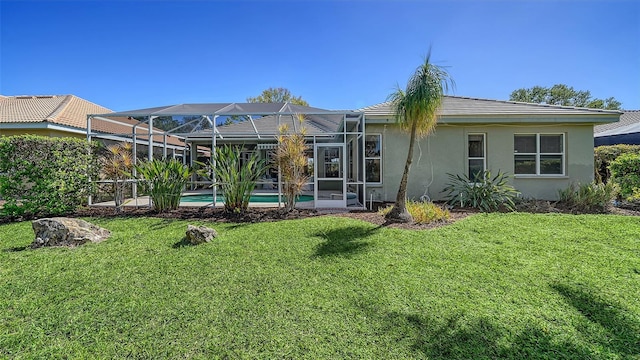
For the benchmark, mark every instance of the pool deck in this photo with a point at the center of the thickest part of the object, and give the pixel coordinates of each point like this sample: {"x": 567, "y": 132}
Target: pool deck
{"x": 145, "y": 202}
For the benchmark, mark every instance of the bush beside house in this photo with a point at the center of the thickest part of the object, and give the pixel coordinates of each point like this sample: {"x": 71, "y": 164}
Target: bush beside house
{"x": 604, "y": 155}
{"x": 45, "y": 176}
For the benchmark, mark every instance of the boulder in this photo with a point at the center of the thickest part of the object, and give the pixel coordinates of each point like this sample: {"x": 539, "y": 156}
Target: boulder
{"x": 199, "y": 234}
{"x": 60, "y": 231}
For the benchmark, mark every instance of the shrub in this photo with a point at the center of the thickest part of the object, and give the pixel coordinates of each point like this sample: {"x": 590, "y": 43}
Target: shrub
{"x": 236, "y": 179}
{"x": 422, "y": 212}
{"x": 485, "y": 192}
{"x": 625, "y": 171}
{"x": 44, "y": 176}
{"x": 604, "y": 155}
{"x": 592, "y": 197}
{"x": 166, "y": 180}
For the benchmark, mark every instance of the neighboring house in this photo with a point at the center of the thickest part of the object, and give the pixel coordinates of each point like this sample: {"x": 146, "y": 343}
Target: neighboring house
{"x": 626, "y": 131}
{"x": 66, "y": 115}
{"x": 46, "y": 115}
{"x": 360, "y": 155}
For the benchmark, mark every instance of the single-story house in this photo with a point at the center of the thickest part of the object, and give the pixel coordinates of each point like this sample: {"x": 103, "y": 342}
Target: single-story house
{"x": 544, "y": 147}
{"x": 357, "y": 156}
{"x": 66, "y": 116}
{"x": 46, "y": 115}
{"x": 626, "y": 131}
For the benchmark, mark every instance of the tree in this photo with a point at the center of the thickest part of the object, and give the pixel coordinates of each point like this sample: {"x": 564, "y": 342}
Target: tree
{"x": 561, "y": 94}
{"x": 292, "y": 162}
{"x": 117, "y": 165}
{"x": 277, "y": 95}
{"x": 416, "y": 111}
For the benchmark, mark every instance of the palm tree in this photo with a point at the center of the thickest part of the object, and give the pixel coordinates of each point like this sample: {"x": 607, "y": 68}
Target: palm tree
{"x": 416, "y": 110}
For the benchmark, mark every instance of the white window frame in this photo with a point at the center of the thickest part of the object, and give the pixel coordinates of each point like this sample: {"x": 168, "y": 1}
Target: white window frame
{"x": 537, "y": 155}
{"x": 484, "y": 153}
{"x": 373, "y": 158}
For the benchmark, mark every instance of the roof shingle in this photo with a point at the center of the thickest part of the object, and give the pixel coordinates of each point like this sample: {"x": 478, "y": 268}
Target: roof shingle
{"x": 627, "y": 119}
{"x": 467, "y": 106}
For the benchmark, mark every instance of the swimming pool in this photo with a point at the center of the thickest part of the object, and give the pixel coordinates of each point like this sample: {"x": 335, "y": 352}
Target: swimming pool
{"x": 255, "y": 198}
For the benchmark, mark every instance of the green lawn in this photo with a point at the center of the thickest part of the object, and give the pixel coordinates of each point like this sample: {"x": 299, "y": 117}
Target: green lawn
{"x": 490, "y": 286}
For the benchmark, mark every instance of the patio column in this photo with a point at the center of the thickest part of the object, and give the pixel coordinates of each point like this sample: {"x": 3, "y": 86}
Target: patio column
{"x": 164, "y": 146}
{"x": 150, "y": 152}
{"x": 134, "y": 159}
{"x": 213, "y": 158}
{"x": 279, "y": 170}
{"x": 89, "y": 200}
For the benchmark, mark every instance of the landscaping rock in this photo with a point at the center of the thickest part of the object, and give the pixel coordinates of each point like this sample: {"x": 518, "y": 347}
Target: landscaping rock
{"x": 62, "y": 231}
{"x": 200, "y": 234}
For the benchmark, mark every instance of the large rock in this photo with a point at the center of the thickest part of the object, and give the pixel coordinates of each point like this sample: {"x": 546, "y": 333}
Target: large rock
{"x": 62, "y": 231}
{"x": 200, "y": 234}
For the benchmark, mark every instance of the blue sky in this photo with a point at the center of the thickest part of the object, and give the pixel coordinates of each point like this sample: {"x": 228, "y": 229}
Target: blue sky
{"x": 335, "y": 54}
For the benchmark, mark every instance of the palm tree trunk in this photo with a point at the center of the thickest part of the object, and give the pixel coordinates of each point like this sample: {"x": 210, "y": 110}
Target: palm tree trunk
{"x": 399, "y": 211}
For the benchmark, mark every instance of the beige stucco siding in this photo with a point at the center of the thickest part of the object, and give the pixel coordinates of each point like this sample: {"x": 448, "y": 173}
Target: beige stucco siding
{"x": 40, "y": 132}
{"x": 445, "y": 152}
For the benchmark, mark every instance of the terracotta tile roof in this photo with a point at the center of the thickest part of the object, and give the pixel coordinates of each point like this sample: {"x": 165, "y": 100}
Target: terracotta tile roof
{"x": 124, "y": 126}
{"x": 68, "y": 110}
{"x": 72, "y": 111}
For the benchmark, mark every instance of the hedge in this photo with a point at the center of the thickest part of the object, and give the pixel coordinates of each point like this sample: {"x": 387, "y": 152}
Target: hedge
{"x": 604, "y": 155}
{"x": 625, "y": 171}
{"x": 44, "y": 176}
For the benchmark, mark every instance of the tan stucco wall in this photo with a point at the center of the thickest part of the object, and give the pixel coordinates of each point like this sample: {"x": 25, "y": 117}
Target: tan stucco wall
{"x": 40, "y": 132}
{"x": 445, "y": 152}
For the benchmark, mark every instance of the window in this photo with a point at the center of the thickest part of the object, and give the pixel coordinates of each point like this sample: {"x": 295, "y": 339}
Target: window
{"x": 373, "y": 158}
{"x": 476, "y": 155}
{"x": 539, "y": 154}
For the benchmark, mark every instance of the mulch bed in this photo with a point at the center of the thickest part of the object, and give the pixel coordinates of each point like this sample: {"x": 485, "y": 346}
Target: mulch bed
{"x": 256, "y": 215}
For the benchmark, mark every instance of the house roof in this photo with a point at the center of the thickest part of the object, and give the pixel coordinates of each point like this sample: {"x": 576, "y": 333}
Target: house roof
{"x": 67, "y": 110}
{"x": 268, "y": 125}
{"x": 124, "y": 126}
{"x": 629, "y": 123}
{"x": 467, "y": 106}
{"x": 224, "y": 109}
{"x": 265, "y": 116}
{"x": 70, "y": 111}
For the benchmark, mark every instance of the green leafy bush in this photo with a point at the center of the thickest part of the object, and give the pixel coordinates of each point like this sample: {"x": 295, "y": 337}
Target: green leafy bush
{"x": 422, "y": 212}
{"x": 604, "y": 155}
{"x": 166, "y": 181}
{"x": 625, "y": 171}
{"x": 235, "y": 179}
{"x": 592, "y": 197}
{"x": 485, "y": 192}
{"x": 44, "y": 176}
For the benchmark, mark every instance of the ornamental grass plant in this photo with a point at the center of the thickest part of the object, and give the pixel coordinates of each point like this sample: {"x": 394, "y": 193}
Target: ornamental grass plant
{"x": 484, "y": 192}
{"x": 235, "y": 178}
{"x": 592, "y": 197}
{"x": 165, "y": 180}
{"x": 422, "y": 212}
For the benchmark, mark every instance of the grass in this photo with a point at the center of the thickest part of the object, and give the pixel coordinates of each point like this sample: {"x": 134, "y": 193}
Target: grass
{"x": 496, "y": 285}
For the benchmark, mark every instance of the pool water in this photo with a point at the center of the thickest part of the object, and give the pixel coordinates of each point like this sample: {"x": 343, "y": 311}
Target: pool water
{"x": 256, "y": 198}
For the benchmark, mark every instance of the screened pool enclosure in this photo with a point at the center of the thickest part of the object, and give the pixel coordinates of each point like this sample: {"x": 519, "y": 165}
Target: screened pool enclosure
{"x": 335, "y": 140}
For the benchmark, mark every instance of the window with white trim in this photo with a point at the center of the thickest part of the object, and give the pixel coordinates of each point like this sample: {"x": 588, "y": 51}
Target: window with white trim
{"x": 476, "y": 156}
{"x": 373, "y": 158}
{"x": 539, "y": 154}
